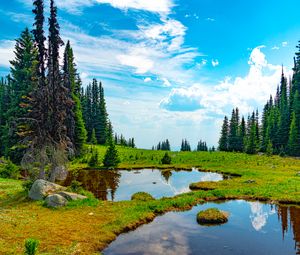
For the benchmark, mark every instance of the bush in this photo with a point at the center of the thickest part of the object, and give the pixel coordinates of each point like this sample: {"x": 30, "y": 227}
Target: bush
{"x": 9, "y": 170}
{"x": 94, "y": 160}
{"x": 31, "y": 246}
{"x": 166, "y": 159}
{"x": 26, "y": 185}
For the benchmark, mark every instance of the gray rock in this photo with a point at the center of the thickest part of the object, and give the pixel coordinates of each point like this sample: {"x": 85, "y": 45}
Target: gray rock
{"x": 55, "y": 200}
{"x": 61, "y": 173}
{"x": 41, "y": 188}
{"x": 71, "y": 196}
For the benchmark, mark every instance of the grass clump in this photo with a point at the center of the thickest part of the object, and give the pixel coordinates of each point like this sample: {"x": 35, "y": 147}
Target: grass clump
{"x": 142, "y": 196}
{"x": 31, "y": 246}
{"x": 212, "y": 216}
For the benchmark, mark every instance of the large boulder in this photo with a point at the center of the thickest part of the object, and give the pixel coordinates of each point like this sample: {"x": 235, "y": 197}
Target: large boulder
{"x": 56, "y": 200}
{"x": 41, "y": 188}
{"x": 71, "y": 196}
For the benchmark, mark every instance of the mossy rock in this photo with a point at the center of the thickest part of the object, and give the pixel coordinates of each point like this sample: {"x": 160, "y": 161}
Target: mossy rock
{"x": 212, "y": 216}
{"x": 142, "y": 196}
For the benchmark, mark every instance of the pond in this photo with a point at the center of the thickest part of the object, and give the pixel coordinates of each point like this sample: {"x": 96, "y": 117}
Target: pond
{"x": 121, "y": 184}
{"x": 253, "y": 228}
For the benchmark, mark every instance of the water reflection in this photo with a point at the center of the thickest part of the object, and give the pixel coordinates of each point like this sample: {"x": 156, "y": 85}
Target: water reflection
{"x": 120, "y": 185}
{"x": 253, "y": 228}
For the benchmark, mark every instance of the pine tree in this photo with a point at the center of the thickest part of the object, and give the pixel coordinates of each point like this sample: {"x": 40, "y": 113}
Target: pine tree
{"x": 23, "y": 74}
{"x": 293, "y": 143}
{"x": 103, "y": 117}
{"x": 74, "y": 120}
{"x": 223, "y": 142}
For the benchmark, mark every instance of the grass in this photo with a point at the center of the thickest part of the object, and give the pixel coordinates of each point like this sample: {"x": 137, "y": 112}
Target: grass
{"x": 86, "y": 227}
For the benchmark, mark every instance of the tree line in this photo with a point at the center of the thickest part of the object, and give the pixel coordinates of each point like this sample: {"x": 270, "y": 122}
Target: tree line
{"x": 277, "y": 131}
{"x": 46, "y": 116}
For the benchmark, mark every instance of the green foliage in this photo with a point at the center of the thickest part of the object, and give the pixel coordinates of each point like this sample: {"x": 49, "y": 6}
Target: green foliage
{"x": 166, "y": 159}
{"x": 26, "y": 185}
{"x": 94, "y": 160}
{"x": 111, "y": 158}
{"x": 223, "y": 141}
{"x": 31, "y": 246}
{"x": 9, "y": 170}
{"x": 269, "y": 149}
{"x": 93, "y": 137}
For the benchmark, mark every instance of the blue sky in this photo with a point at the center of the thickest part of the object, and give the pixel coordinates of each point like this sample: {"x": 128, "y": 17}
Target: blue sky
{"x": 172, "y": 68}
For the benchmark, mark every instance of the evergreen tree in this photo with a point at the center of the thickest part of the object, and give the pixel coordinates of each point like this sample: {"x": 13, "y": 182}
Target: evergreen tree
{"x": 93, "y": 138}
{"x": 223, "y": 142}
{"x": 23, "y": 71}
{"x": 74, "y": 120}
{"x": 103, "y": 118}
{"x": 293, "y": 143}
{"x": 111, "y": 157}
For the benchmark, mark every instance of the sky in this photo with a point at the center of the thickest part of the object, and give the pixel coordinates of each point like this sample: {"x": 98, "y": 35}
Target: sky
{"x": 171, "y": 68}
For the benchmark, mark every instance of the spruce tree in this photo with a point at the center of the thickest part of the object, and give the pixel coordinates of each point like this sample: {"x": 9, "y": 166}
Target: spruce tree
{"x": 223, "y": 142}
{"x": 23, "y": 74}
{"x": 293, "y": 143}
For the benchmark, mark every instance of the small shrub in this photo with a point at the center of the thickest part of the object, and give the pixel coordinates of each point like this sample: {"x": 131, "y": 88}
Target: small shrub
{"x": 31, "y": 246}
{"x": 166, "y": 159}
{"x": 26, "y": 185}
{"x": 9, "y": 170}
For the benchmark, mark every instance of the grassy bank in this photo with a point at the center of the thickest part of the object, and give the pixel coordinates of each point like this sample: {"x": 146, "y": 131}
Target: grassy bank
{"x": 85, "y": 229}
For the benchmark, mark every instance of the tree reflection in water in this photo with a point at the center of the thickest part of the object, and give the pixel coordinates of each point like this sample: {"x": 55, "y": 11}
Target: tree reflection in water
{"x": 103, "y": 184}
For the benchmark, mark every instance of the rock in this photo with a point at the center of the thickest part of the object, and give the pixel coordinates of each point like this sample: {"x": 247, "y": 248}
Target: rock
{"x": 212, "y": 216}
{"x": 61, "y": 173}
{"x": 71, "y": 196}
{"x": 41, "y": 188}
{"x": 249, "y": 181}
{"x": 56, "y": 200}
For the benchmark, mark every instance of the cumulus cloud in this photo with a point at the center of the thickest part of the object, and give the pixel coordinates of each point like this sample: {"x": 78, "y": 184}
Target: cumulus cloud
{"x": 244, "y": 92}
{"x": 284, "y": 44}
{"x": 147, "y": 79}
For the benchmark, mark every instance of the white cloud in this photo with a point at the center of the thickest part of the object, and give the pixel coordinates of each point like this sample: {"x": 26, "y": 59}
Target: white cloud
{"x": 159, "y": 6}
{"x": 245, "y": 92}
{"x": 140, "y": 63}
{"x": 215, "y": 62}
{"x": 166, "y": 82}
{"x": 6, "y": 52}
{"x": 211, "y": 19}
{"x": 275, "y": 48}
{"x": 162, "y": 7}
{"x": 147, "y": 79}
{"x": 284, "y": 44}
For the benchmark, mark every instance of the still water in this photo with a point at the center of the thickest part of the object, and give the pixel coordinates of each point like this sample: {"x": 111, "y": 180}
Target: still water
{"x": 121, "y": 184}
{"x": 253, "y": 228}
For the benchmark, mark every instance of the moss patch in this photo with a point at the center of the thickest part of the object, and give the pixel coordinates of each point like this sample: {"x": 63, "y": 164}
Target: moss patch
{"x": 142, "y": 196}
{"x": 212, "y": 216}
